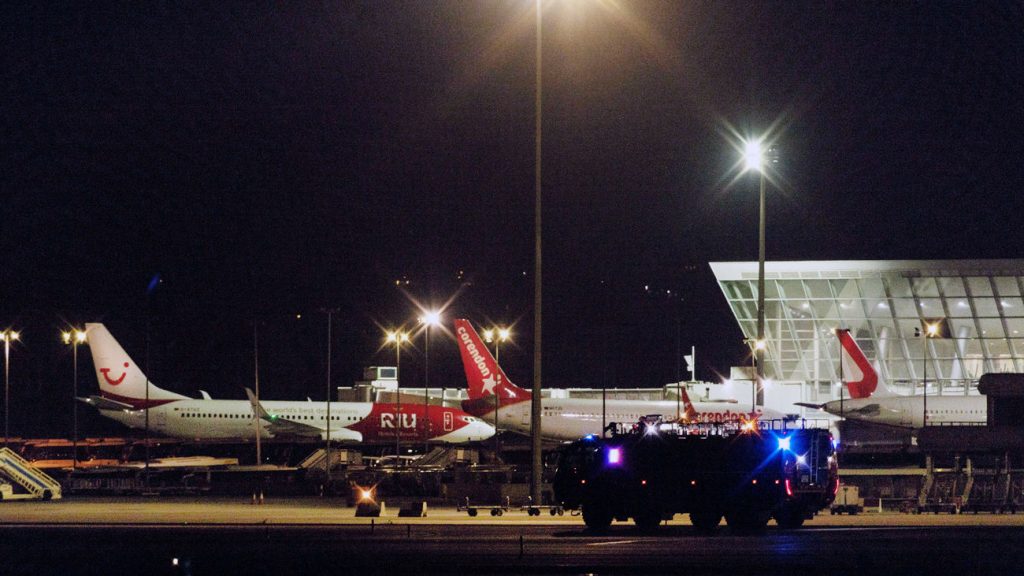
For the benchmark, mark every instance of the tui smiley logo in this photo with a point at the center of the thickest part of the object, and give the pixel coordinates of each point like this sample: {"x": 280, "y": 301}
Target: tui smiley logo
{"x": 106, "y": 374}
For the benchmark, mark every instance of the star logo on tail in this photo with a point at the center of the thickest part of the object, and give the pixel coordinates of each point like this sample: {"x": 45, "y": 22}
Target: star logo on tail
{"x": 488, "y": 385}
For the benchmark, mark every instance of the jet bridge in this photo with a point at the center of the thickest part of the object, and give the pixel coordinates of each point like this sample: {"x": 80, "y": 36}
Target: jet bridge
{"x": 34, "y": 482}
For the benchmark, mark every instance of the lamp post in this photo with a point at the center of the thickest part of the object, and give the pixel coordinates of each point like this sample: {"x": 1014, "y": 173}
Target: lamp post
{"x": 753, "y": 158}
{"x": 497, "y": 335}
{"x": 8, "y": 337}
{"x": 429, "y": 319}
{"x": 256, "y": 378}
{"x": 535, "y": 403}
{"x": 756, "y": 348}
{"x": 74, "y": 338}
{"x": 930, "y": 331}
{"x": 398, "y": 338}
{"x": 327, "y": 464}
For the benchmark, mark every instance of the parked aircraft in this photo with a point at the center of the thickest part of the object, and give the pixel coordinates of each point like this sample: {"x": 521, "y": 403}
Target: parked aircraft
{"x": 872, "y": 401}
{"x": 123, "y": 398}
{"x": 493, "y": 397}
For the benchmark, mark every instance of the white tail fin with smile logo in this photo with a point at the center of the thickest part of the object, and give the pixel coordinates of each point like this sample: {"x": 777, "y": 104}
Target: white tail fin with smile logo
{"x": 119, "y": 377}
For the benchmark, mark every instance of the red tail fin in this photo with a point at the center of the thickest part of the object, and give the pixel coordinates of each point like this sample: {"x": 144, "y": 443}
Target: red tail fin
{"x": 483, "y": 375}
{"x": 689, "y": 411}
{"x": 860, "y": 376}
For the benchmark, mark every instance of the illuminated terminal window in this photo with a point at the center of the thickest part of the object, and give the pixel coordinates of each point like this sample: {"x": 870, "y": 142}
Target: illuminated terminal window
{"x": 882, "y": 303}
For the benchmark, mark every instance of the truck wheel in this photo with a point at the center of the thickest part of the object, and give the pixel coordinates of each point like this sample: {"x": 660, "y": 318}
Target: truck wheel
{"x": 789, "y": 517}
{"x": 747, "y": 520}
{"x": 596, "y": 516}
{"x": 647, "y": 520}
{"x": 705, "y": 520}
{"x": 471, "y": 511}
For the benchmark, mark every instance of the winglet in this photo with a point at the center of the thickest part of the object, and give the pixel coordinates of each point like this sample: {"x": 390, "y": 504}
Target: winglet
{"x": 257, "y": 407}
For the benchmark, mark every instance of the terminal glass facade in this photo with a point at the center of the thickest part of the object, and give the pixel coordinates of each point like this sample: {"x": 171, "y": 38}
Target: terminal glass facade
{"x": 885, "y": 305}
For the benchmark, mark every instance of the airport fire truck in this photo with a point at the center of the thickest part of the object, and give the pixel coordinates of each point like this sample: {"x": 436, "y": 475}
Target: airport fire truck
{"x": 747, "y": 472}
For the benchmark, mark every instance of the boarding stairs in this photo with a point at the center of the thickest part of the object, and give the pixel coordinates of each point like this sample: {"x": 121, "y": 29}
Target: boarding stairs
{"x": 990, "y": 489}
{"x": 35, "y": 483}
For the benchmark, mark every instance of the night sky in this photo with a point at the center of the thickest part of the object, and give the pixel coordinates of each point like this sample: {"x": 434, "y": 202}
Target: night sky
{"x": 265, "y": 160}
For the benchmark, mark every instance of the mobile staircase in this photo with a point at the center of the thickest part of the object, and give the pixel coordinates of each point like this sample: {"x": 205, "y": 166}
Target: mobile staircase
{"x": 34, "y": 482}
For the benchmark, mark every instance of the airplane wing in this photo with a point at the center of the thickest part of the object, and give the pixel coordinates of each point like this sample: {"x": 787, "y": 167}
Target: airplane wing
{"x": 279, "y": 426}
{"x": 102, "y": 403}
{"x": 809, "y": 405}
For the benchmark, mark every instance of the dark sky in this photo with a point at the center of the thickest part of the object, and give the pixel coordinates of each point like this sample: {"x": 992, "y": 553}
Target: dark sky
{"x": 269, "y": 159}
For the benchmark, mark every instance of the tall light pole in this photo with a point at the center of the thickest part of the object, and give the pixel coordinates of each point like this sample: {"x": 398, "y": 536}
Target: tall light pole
{"x": 327, "y": 464}
{"x": 535, "y": 404}
{"x": 930, "y": 331}
{"x": 756, "y": 348}
{"x": 8, "y": 337}
{"x": 74, "y": 338}
{"x": 256, "y": 377}
{"x": 429, "y": 319}
{"x": 398, "y": 338}
{"x": 753, "y": 158}
{"x": 497, "y": 336}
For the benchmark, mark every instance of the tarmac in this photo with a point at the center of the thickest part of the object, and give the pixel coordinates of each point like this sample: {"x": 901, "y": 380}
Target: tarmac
{"x": 334, "y": 511}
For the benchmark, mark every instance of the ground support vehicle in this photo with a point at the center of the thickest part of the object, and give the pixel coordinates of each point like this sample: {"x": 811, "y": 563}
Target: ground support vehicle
{"x": 847, "y": 501}
{"x": 475, "y": 509}
{"x": 746, "y": 474}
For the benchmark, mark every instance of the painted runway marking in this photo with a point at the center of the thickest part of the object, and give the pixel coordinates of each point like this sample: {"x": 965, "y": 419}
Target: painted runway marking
{"x": 611, "y": 543}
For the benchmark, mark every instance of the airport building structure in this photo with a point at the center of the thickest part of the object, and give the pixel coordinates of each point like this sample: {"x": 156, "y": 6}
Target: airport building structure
{"x": 885, "y": 305}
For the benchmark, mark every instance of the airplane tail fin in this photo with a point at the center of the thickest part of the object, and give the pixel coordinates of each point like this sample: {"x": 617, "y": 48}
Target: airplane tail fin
{"x": 861, "y": 377}
{"x": 120, "y": 379}
{"x": 689, "y": 411}
{"x": 483, "y": 375}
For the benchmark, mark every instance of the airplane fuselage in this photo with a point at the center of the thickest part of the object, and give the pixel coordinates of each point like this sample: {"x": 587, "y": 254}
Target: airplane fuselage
{"x": 571, "y": 419}
{"x": 350, "y": 421}
{"x": 908, "y": 411}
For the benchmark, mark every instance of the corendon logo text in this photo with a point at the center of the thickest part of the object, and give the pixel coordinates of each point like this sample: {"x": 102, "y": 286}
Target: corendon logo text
{"x": 407, "y": 421}
{"x": 106, "y": 374}
{"x": 478, "y": 358}
{"x": 726, "y": 416}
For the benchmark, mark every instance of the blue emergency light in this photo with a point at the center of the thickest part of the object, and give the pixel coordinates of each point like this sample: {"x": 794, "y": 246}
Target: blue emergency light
{"x": 784, "y": 443}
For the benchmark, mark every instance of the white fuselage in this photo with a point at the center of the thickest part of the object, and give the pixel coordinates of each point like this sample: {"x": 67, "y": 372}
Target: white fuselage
{"x": 233, "y": 419}
{"x": 573, "y": 418}
{"x": 908, "y": 411}
{"x": 195, "y": 419}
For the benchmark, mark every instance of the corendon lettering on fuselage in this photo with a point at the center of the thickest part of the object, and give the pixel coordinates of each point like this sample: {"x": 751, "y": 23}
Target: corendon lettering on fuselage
{"x": 727, "y": 416}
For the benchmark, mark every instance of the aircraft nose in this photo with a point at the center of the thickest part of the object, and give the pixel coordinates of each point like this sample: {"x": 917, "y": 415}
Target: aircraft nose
{"x": 479, "y": 430}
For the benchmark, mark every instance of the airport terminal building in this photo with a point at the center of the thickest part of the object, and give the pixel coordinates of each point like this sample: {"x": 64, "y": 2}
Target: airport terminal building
{"x": 885, "y": 304}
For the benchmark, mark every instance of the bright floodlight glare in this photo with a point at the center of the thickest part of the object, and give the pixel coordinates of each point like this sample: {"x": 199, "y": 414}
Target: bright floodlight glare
{"x": 504, "y": 334}
{"x": 933, "y": 329}
{"x": 392, "y": 337}
{"x": 759, "y": 345}
{"x": 784, "y": 443}
{"x": 489, "y": 335}
{"x": 432, "y": 318}
{"x": 366, "y": 494}
{"x": 66, "y": 337}
{"x": 753, "y": 155}
{"x": 79, "y": 336}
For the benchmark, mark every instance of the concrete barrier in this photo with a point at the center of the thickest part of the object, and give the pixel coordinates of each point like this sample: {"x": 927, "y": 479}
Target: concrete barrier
{"x": 413, "y": 510}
